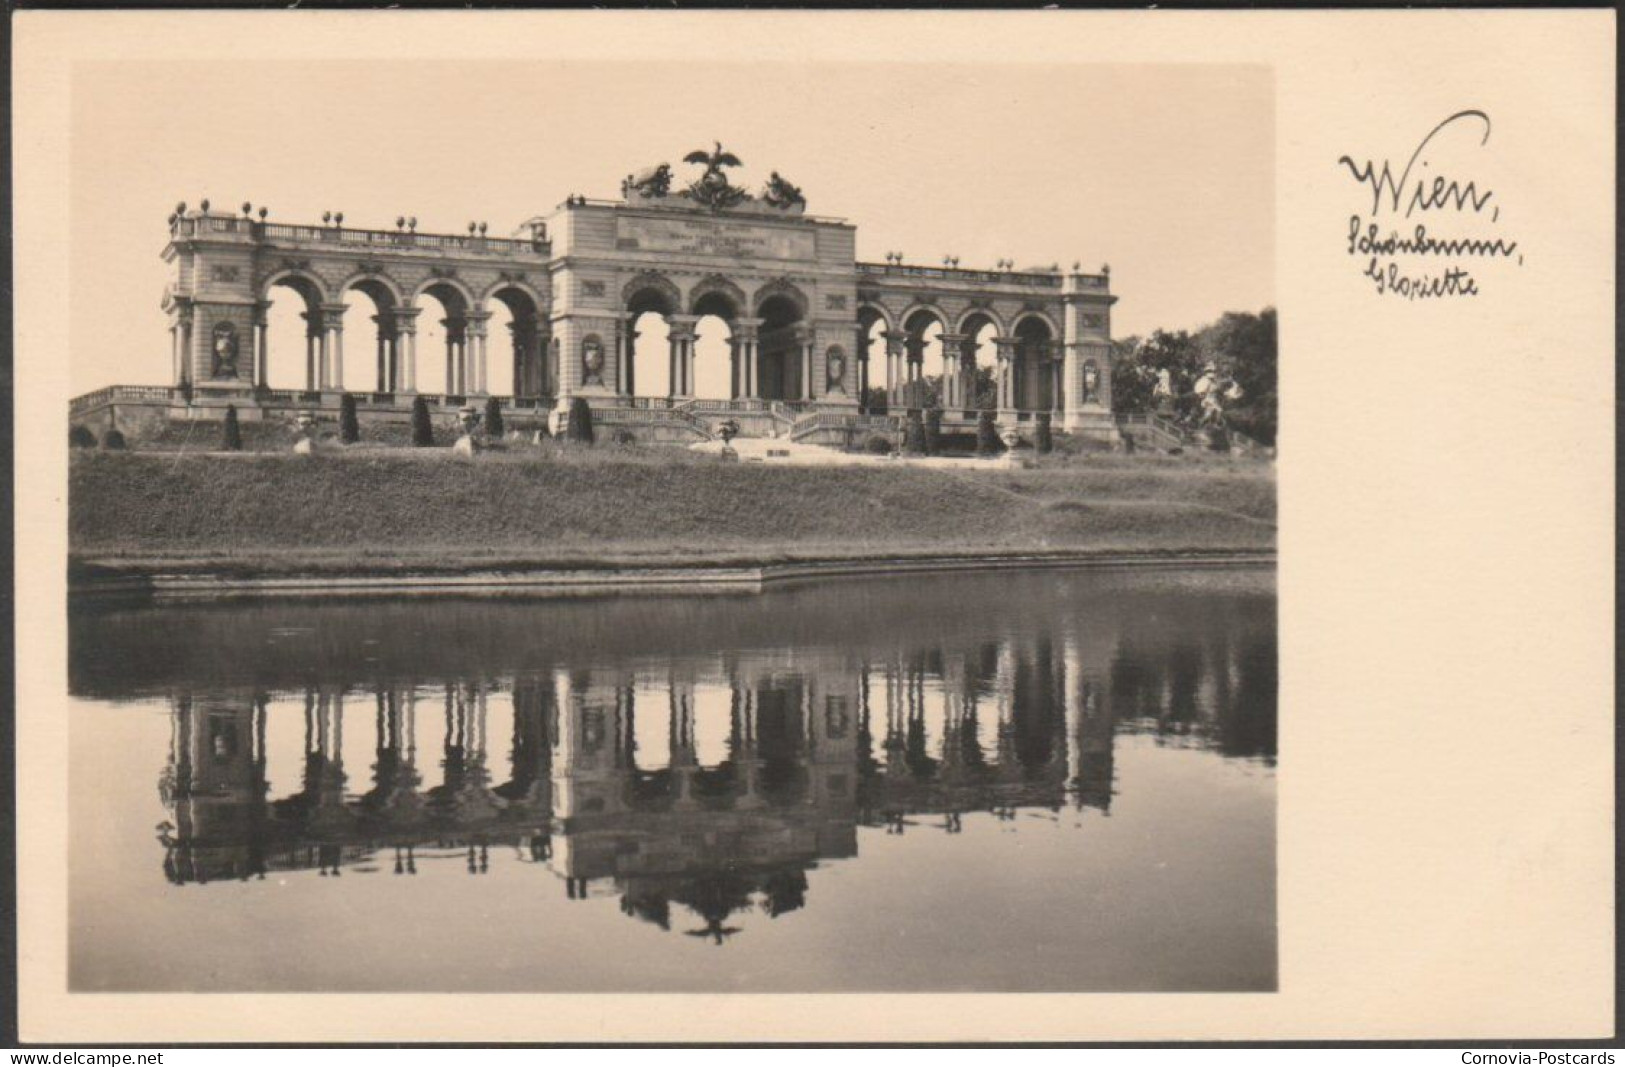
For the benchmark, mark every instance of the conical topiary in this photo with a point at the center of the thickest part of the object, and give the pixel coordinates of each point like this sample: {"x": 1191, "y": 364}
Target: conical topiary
{"x": 1043, "y": 439}
{"x": 493, "y": 417}
{"x": 422, "y": 429}
{"x": 987, "y": 435}
{"x": 914, "y": 437}
{"x": 349, "y": 426}
{"x": 231, "y": 434}
{"x": 933, "y": 431}
{"x": 578, "y": 427}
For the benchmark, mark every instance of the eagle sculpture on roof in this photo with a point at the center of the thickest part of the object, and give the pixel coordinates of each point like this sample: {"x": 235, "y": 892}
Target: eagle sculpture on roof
{"x": 713, "y": 188}
{"x": 714, "y": 160}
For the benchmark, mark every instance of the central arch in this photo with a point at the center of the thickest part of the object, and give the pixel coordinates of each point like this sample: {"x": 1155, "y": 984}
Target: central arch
{"x": 783, "y": 348}
{"x": 717, "y": 305}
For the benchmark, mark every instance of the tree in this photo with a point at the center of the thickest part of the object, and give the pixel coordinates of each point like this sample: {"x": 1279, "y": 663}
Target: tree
{"x": 1043, "y": 440}
{"x": 933, "y": 431}
{"x": 984, "y": 390}
{"x": 875, "y": 400}
{"x": 1241, "y": 345}
{"x": 578, "y": 427}
{"x": 1245, "y": 345}
{"x": 422, "y": 429}
{"x": 987, "y": 435}
{"x": 914, "y": 437}
{"x": 493, "y": 417}
{"x": 81, "y": 437}
{"x": 349, "y": 426}
{"x": 924, "y": 393}
{"x": 231, "y": 434}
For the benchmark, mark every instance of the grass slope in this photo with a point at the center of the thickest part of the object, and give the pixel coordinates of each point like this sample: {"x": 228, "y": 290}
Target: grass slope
{"x": 385, "y": 509}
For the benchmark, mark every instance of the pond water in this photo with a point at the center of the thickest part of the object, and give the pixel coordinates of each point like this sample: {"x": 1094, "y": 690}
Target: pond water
{"x": 1046, "y": 781}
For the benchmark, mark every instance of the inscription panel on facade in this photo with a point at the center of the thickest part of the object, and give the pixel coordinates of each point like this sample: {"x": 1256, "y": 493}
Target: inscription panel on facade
{"x": 711, "y": 237}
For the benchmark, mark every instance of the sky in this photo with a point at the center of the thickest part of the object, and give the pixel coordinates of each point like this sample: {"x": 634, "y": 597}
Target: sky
{"x": 1165, "y": 172}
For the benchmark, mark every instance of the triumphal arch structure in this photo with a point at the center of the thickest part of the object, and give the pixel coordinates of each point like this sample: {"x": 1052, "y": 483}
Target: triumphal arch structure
{"x": 818, "y": 342}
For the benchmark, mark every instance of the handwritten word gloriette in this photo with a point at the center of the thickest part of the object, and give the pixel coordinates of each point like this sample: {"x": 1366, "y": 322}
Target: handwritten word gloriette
{"x": 1428, "y": 228}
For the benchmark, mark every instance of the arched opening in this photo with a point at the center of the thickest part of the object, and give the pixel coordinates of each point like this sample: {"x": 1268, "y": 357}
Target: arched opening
{"x": 443, "y": 339}
{"x": 515, "y": 332}
{"x": 293, "y": 331}
{"x": 981, "y": 391}
{"x": 923, "y": 380}
{"x": 781, "y": 360}
{"x": 376, "y": 365}
{"x": 715, "y": 375}
{"x": 871, "y": 357}
{"x": 1034, "y": 385}
{"x": 648, "y": 371}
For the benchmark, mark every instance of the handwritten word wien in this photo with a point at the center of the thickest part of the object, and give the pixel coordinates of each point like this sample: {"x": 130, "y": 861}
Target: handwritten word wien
{"x": 1377, "y": 241}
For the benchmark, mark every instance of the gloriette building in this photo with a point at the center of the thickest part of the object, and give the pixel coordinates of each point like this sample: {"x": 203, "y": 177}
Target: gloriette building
{"x": 814, "y": 334}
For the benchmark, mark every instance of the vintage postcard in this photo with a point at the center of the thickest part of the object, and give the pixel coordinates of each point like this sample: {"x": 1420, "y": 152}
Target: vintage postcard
{"x": 889, "y": 526}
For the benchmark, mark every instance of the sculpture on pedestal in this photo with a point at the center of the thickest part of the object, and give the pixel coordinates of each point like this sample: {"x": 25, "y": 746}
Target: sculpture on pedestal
{"x": 224, "y": 364}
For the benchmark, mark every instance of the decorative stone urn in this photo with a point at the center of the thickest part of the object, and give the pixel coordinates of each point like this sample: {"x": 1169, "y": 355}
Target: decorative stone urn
{"x": 305, "y": 426}
{"x": 468, "y": 418}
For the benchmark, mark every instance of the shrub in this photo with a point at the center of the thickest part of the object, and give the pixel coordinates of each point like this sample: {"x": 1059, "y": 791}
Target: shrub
{"x": 933, "y": 431}
{"x": 878, "y": 445}
{"x": 231, "y": 434}
{"x": 624, "y": 438}
{"x": 493, "y": 417}
{"x": 81, "y": 437}
{"x": 578, "y": 427}
{"x": 349, "y": 426}
{"x": 1043, "y": 439}
{"x": 914, "y": 436}
{"x": 113, "y": 440}
{"x": 987, "y": 435}
{"x": 422, "y": 429}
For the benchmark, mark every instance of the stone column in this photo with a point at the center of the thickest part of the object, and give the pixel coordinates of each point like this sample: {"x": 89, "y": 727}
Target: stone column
{"x": 967, "y": 372}
{"x": 545, "y": 385}
{"x": 478, "y": 365}
{"x": 1009, "y": 352}
{"x": 953, "y": 370}
{"x": 806, "y": 339}
{"x": 860, "y": 354}
{"x": 186, "y": 347}
{"x": 745, "y": 341}
{"x": 682, "y": 355}
{"x": 383, "y": 355}
{"x": 896, "y": 366}
{"x": 333, "y": 328}
{"x": 623, "y": 356}
{"x": 261, "y": 343}
{"x": 313, "y": 344}
{"x": 456, "y": 331}
{"x": 518, "y": 338}
{"x": 406, "y": 349}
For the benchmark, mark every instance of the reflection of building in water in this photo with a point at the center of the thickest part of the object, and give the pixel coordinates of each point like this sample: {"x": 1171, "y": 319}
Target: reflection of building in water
{"x": 712, "y": 786}
{"x": 224, "y": 824}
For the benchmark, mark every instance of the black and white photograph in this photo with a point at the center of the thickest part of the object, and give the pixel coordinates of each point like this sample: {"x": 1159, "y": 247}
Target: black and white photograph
{"x": 722, "y": 569}
{"x": 903, "y": 527}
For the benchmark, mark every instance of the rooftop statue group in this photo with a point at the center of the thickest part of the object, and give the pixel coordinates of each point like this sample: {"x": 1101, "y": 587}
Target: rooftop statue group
{"x": 712, "y": 189}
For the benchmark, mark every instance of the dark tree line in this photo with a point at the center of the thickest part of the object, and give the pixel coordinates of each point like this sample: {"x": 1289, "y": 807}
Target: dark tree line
{"x": 1242, "y": 344}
